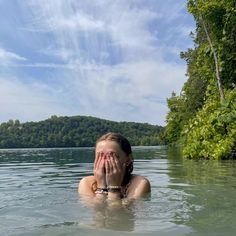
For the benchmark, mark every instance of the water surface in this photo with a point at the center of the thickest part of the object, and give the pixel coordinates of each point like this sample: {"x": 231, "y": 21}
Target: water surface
{"x": 38, "y": 195}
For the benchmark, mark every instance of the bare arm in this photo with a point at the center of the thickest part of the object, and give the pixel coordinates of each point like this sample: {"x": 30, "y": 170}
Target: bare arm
{"x": 84, "y": 187}
{"x": 141, "y": 188}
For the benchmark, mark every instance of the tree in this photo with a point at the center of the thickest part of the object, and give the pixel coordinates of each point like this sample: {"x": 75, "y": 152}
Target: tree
{"x": 202, "y": 118}
{"x": 72, "y": 132}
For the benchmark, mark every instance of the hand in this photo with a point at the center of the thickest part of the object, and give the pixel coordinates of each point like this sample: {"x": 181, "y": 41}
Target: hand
{"x": 115, "y": 170}
{"x": 99, "y": 170}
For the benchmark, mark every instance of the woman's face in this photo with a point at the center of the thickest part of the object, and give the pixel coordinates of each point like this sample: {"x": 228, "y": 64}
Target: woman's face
{"x": 107, "y": 146}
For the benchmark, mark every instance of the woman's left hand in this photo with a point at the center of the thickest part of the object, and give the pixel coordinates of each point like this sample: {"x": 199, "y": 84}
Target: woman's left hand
{"x": 115, "y": 170}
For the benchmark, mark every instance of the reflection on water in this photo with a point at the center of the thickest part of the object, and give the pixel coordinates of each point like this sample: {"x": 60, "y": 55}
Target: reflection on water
{"x": 113, "y": 218}
{"x": 38, "y": 195}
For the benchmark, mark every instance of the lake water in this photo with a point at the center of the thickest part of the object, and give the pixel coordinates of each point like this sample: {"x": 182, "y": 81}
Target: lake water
{"x": 38, "y": 195}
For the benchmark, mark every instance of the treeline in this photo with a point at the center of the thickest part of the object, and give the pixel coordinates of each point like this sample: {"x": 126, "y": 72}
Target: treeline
{"x": 203, "y": 116}
{"x": 76, "y": 131}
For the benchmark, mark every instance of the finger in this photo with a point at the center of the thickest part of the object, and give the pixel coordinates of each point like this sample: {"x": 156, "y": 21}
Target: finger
{"x": 115, "y": 163}
{"x": 102, "y": 154}
{"x": 96, "y": 159}
{"x": 101, "y": 163}
{"x": 116, "y": 158}
{"x": 95, "y": 162}
{"x": 108, "y": 155}
{"x": 109, "y": 167}
{"x": 115, "y": 154}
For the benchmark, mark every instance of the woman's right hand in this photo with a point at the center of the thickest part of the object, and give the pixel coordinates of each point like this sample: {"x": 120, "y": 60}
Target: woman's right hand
{"x": 99, "y": 170}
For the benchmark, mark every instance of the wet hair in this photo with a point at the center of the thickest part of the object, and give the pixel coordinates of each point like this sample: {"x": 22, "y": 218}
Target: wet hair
{"x": 118, "y": 138}
{"x": 125, "y": 147}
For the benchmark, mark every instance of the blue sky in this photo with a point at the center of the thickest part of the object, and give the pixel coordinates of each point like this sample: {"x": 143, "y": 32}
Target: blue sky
{"x": 112, "y": 59}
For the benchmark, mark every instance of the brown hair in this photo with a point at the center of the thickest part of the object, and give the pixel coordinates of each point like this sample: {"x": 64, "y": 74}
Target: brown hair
{"x": 125, "y": 146}
{"x": 118, "y": 138}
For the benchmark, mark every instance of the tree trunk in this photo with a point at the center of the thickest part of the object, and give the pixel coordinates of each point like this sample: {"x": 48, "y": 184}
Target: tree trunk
{"x": 217, "y": 71}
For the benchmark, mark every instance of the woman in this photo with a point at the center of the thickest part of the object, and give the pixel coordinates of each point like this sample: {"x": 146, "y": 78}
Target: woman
{"x": 113, "y": 166}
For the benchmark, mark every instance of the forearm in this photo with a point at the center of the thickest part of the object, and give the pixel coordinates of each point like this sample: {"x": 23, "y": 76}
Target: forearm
{"x": 101, "y": 195}
{"x": 114, "y": 198}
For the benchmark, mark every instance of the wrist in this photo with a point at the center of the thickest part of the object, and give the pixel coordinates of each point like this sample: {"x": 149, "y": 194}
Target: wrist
{"x": 114, "y": 188}
{"x": 100, "y": 196}
{"x": 101, "y": 185}
{"x": 114, "y": 192}
{"x": 114, "y": 195}
{"x": 101, "y": 192}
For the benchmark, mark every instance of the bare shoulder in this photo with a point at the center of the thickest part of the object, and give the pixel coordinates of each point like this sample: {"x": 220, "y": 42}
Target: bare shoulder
{"x": 85, "y": 185}
{"x": 140, "y": 187}
{"x": 140, "y": 181}
{"x": 87, "y": 179}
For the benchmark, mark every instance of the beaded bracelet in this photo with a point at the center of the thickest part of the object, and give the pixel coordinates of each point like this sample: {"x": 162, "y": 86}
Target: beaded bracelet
{"x": 101, "y": 191}
{"x": 114, "y": 189}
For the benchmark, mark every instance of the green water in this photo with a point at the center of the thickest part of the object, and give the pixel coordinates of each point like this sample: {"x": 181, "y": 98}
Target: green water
{"x": 38, "y": 195}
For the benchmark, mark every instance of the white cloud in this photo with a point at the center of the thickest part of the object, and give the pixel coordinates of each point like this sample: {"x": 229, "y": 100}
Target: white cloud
{"x": 111, "y": 59}
{"x": 28, "y": 101}
{"x": 113, "y": 92}
{"x": 126, "y": 91}
{"x": 78, "y": 22}
{"x": 7, "y": 57}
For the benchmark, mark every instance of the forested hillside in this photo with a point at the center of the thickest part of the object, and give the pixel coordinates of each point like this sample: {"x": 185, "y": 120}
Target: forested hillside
{"x": 77, "y": 131}
{"x": 203, "y": 116}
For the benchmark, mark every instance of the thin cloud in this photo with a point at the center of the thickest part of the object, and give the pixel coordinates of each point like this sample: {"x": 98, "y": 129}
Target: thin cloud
{"x": 28, "y": 101}
{"x": 7, "y": 57}
{"x": 78, "y": 22}
{"x": 112, "y": 59}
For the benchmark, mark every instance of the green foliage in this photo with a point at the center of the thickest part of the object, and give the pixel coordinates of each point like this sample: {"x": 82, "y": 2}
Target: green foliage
{"x": 197, "y": 118}
{"x": 220, "y": 19}
{"x": 77, "y": 131}
{"x": 212, "y": 133}
{"x": 175, "y": 118}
